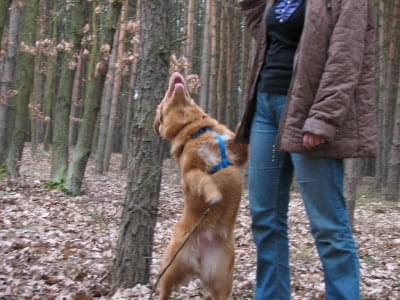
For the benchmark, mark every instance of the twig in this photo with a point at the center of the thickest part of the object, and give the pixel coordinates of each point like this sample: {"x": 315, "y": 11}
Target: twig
{"x": 189, "y": 235}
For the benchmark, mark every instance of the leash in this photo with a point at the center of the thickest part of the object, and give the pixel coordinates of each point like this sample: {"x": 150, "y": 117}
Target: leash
{"x": 189, "y": 235}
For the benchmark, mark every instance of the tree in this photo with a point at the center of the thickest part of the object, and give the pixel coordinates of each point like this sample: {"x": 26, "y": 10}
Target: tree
{"x": 73, "y": 20}
{"x": 204, "y": 74}
{"x": 24, "y": 83}
{"x": 7, "y": 80}
{"x": 4, "y": 4}
{"x": 116, "y": 87}
{"x": 104, "y": 23}
{"x": 133, "y": 253}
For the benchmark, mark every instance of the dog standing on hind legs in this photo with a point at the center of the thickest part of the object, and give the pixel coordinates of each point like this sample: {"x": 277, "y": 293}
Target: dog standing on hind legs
{"x": 211, "y": 165}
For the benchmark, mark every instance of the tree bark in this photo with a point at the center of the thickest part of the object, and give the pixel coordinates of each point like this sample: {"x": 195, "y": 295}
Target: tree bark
{"x": 74, "y": 20}
{"x": 51, "y": 79}
{"x": 131, "y": 95}
{"x": 24, "y": 82}
{"x": 7, "y": 78}
{"x": 204, "y": 73}
{"x": 76, "y": 101}
{"x": 352, "y": 180}
{"x": 212, "y": 92}
{"x": 4, "y": 4}
{"x": 133, "y": 253}
{"x": 38, "y": 79}
{"x": 190, "y": 26}
{"x": 107, "y": 17}
{"x": 221, "y": 81}
{"x": 105, "y": 107}
{"x": 116, "y": 87}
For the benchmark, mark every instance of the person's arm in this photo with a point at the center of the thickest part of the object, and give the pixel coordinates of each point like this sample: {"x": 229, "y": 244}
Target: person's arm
{"x": 341, "y": 73}
{"x": 253, "y": 11}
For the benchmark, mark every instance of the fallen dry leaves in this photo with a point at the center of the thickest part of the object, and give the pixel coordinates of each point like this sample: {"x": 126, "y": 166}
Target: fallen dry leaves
{"x": 53, "y": 246}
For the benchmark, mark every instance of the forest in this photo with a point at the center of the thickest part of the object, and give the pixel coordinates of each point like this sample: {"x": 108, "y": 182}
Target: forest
{"x": 89, "y": 194}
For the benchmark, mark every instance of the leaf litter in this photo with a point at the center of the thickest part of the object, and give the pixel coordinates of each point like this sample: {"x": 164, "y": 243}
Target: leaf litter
{"x": 53, "y": 246}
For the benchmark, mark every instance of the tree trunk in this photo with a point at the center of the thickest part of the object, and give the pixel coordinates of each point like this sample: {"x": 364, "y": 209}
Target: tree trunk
{"x": 191, "y": 11}
{"x": 221, "y": 81}
{"x": 76, "y": 101}
{"x": 73, "y": 20}
{"x": 204, "y": 74}
{"x": 352, "y": 179}
{"x": 133, "y": 253}
{"x": 4, "y": 4}
{"x": 212, "y": 92}
{"x": 7, "y": 78}
{"x": 51, "y": 80}
{"x": 24, "y": 82}
{"x": 38, "y": 79}
{"x": 97, "y": 73}
{"x": 105, "y": 107}
{"x": 116, "y": 87}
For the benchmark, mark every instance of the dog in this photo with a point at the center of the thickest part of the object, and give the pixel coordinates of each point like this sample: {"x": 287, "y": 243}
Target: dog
{"x": 211, "y": 166}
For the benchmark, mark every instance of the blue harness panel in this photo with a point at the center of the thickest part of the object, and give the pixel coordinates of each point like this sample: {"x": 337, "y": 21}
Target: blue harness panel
{"x": 222, "y": 149}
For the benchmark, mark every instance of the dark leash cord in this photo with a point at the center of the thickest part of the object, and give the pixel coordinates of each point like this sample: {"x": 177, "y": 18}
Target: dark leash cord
{"x": 188, "y": 236}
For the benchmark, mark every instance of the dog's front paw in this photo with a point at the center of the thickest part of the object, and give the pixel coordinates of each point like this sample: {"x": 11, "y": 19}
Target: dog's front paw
{"x": 213, "y": 198}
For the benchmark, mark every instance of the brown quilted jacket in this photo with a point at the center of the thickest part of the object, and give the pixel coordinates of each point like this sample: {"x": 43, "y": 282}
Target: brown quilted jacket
{"x": 332, "y": 89}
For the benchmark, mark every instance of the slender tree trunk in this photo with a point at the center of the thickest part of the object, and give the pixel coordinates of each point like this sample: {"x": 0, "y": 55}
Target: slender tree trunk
{"x": 24, "y": 82}
{"x": 133, "y": 253}
{"x": 76, "y": 103}
{"x": 4, "y": 5}
{"x": 352, "y": 181}
{"x": 116, "y": 87}
{"x": 131, "y": 94}
{"x": 204, "y": 74}
{"x": 105, "y": 108}
{"x": 74, "y": 20}
{"x": 392, "y": 190}
{"x": 97, "y": 73}
{"x": 6, "y": 79}
{"x": 221, "y": 87}
{"x": 51, "y": 79}
{"x": 191, "y": 12}
{"x": 37, "y": 93}
{"x": 212, "y": 92}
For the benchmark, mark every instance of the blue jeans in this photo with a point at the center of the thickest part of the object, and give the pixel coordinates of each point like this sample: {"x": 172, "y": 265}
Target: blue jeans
{"x": 320, "y": 182}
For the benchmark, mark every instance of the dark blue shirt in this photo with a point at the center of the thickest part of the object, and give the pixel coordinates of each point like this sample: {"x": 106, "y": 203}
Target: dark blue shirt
{"x": 285, "y": 22}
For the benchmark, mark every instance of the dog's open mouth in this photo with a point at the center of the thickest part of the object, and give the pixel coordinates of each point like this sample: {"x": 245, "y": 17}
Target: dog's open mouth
{"x": 175, "y": 80}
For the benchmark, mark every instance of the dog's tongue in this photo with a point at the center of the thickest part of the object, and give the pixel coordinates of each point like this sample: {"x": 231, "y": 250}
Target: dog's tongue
{"x": 177, "y": 79}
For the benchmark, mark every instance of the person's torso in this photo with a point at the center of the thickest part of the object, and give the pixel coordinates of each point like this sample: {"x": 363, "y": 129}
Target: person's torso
{"x": 285, "y": 20}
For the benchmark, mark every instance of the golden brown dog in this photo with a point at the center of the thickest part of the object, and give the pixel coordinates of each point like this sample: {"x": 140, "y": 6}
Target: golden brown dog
{"x": 196, "y": 145}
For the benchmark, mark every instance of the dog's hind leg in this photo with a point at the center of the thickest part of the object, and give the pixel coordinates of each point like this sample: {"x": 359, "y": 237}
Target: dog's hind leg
{"x": 202, "y": 184}
{"x": 175, "y": 273}
{"x": 217, "y": 271}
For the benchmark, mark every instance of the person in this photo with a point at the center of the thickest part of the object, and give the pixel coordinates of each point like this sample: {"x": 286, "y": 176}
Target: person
{"x": 310, "y": 104}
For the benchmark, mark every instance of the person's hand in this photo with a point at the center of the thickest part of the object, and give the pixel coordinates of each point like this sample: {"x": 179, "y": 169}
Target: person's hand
{"x": 311, "y": 140}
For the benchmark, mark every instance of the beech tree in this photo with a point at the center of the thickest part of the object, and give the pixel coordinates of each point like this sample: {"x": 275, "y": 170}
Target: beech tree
{"x": 104, "y": 22}
{"x": 24, "y": 83}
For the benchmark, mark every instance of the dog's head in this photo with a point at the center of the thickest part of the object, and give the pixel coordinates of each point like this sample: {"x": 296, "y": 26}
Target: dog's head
{"x": 176, "y": 110}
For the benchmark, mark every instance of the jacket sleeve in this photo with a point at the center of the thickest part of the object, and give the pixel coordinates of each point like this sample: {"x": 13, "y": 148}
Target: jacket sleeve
{"x": 341, "y": 72}
{"x": 253, "y": 11}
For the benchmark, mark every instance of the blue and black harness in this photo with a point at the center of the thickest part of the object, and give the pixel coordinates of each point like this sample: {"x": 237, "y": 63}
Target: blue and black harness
{"x": 222, "y": 149}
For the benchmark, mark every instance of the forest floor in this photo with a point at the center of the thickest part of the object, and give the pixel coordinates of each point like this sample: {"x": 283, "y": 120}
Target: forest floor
{"x": 53, "y": 246}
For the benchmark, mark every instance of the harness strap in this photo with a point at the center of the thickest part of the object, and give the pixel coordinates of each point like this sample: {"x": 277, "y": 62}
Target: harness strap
{"x": 222, "y": 149}
{"x": 224, "y": 158}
